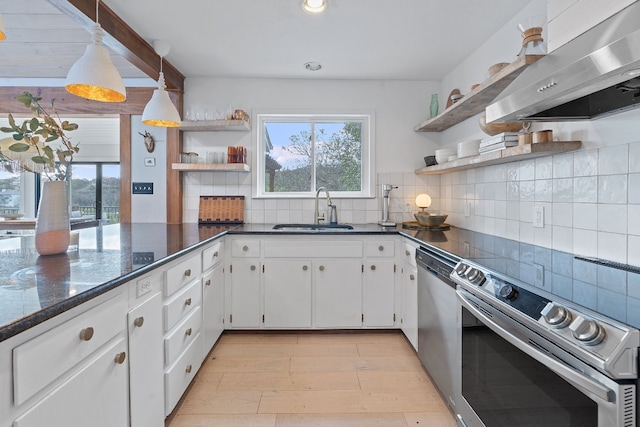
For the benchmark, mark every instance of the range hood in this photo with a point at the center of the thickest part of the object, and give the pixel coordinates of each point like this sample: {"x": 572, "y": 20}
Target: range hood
{"x": 594, "y": 75}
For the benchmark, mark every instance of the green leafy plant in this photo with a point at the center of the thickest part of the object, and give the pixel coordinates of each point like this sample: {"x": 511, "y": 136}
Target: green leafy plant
{"x": 31, "y": 150}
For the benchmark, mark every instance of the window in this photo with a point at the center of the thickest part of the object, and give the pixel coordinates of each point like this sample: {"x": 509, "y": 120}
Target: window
{"x": 300, "y": 153}
{"x": 95, "y": 191}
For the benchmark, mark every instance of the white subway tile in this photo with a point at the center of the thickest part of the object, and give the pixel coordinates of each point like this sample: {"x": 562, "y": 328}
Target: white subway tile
{"x": 613, "y": 160}
{"x": 585, "y": 163}
{"x": 562, "y": 190}
{"x": 513, "y": 190}
{"x": 633, "y": 256}
{"x": 526, "y": 212}
{"x": 633, "y": 213}
{"x": 585, "y": 216}
{"x": 562, "y": 239}
{"x": 612, "y": 247}
{"x": 612, "y": 189}
{"x": 526, "y": 233}
{"x": 563, "y": 214}
{"x": 612, "y": 218}
{"x": 634, "y": 157}
{"x": 513, "y": 172}
{"x": 544, "y": 168}
{"x": 513, "y": 211}
{"x": 543, "y": 190}
{"x": 634, "y": 188}
{"x": 527, "y": 190}
{"x": 563, "y": 166}
{"x": 527, "y": 170}
{"x": 543, "y": 236}
{"x": 585, "y": 189}
{"x": 585, "y": 242}
{"x": 513, "y": 230}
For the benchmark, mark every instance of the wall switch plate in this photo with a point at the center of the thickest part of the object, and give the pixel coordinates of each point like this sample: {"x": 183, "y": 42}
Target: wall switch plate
{"x": 538, "y": 216}
{"x": 142, "y": 188}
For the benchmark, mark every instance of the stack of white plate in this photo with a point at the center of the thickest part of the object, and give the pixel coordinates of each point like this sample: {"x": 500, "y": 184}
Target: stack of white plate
{"x": 468, "y": 148}
{"x": 443, "y": 154}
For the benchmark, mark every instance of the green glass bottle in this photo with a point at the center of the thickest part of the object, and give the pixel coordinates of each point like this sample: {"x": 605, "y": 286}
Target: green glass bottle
{"x": 433, "y": 108}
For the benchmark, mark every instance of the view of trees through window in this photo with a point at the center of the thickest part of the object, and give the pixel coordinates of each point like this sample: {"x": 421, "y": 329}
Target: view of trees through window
{"x": 10, "y": 194}
{"x": 304, "y": 156}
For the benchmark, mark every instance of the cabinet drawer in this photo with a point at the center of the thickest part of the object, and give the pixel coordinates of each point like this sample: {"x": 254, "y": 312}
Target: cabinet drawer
{"x": 181, "y": 274}
{"x": 179, "y": 375}
{"x": 182, "y": 335}
{"x": 408, "y": 254}
{"x": 245, "y": 248}
{"x": 212, "y": 256}
{"x": 379, "y": 248}
{"x": 45, "y": 358}
{"x": 313, "y": 249}
{"x": 180, "y": 304}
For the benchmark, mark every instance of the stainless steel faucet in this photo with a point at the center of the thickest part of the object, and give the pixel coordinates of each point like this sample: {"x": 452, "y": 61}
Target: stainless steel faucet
{"x": 317, "y": 216}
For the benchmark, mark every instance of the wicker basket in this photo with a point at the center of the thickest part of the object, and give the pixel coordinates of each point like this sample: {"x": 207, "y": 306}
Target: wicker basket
{"x": 221, "y": 210}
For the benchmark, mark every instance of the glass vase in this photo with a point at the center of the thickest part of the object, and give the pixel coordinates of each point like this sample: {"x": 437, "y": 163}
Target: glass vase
{"x": 434, "y": 107}
{"x": 52, "y": 223}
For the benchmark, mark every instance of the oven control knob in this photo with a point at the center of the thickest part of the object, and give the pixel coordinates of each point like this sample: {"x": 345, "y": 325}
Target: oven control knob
{"x": 587, "y": 331}
{"x": 460, "y": 269}
{"x": 507, "y": 292}
{"x": 475, "y": 276}
{"x": 556, "y": 316}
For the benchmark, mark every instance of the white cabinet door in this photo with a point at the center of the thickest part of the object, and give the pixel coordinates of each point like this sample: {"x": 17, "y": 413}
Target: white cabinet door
{"x": 146, "y": 364}
{"x": 338, "y": 293}
{"x": 409, "y": 320}
{"x": 244, "y": 297}
{"x": 287, "y": 293}
{"x": 95, "y": 396}
{"x": 212, "y": 307}
{"x": 379, "y": 293}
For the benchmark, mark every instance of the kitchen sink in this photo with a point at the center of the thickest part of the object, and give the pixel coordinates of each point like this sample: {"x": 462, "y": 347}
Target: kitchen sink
{"x": 312, "y": 227}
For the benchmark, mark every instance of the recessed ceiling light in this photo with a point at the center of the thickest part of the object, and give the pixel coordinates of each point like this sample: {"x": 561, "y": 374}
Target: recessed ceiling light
{"x": 312, "y": 66}
{"x": 314, "y": 6}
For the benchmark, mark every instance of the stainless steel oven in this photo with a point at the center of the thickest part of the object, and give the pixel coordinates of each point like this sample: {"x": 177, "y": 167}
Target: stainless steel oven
{"x": 529, "y": 359}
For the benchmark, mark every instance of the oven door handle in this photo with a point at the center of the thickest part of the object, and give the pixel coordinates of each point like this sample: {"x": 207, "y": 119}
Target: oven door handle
{"x": 587, "y": 385}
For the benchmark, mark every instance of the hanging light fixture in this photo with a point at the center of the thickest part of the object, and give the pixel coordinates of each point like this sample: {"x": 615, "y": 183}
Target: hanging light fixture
{"x": 2, "y": 30}
{"x": 160, "y": 111}
{"x": 94, "y": 76}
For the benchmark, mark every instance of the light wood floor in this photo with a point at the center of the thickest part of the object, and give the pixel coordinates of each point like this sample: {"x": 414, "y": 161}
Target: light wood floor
{"x": 311, "y": 379}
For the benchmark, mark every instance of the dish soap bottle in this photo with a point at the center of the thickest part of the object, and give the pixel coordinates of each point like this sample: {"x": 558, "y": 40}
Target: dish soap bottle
{"x": 433, "y": 108}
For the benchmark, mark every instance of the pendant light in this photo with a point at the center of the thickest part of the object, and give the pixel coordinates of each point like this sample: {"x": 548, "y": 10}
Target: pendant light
{"x": 2, "y": 29}
{"x": 160, "y": 111}
{"x": 94, "y": 76}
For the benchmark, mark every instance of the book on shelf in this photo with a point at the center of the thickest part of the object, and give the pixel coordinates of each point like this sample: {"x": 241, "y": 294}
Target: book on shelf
{"x": 498, "y": 146}
{"x": 501, "y": 137}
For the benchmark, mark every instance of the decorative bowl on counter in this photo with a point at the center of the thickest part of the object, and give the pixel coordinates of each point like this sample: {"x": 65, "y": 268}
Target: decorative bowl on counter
{"x": 429, "y": 219}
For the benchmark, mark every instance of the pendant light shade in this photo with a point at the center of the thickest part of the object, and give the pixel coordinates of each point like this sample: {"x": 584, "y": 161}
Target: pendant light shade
{"x": 160, "y": 111}
{"x": 94, "y": 76}
{"x": 2, "y": 30}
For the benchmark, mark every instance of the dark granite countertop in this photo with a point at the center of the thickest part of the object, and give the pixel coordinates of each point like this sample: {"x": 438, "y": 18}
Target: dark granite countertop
{"x": 34, "y": 289}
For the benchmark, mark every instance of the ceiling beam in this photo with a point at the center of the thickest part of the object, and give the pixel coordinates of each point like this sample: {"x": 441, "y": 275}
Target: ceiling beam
{"x": 122, "y": 39}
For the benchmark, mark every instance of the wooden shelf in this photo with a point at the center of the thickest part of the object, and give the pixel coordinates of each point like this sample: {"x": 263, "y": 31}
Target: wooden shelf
{"x": 215, "y": 125}
{"x": 207, "y": 167}
{"x": 476, "y": 101}
{"x": 511, "y": 154}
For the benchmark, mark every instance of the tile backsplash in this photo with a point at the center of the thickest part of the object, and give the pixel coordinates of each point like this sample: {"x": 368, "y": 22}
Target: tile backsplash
{"x": 590, "y": 199}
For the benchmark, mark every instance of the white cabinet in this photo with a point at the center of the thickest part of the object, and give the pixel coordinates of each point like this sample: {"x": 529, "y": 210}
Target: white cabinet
{"x": 408, "y": 279}
{"x": 212, "y": 306}
{"x": 243, "y": 295}
{"x": 95, "y": 395}
{"x": 379, "y": 293}
{"x": 338, "y": 293}
{"x": 70, "y": 370}
{"x": 567, "y": 19}
{"x": 287, "y": 293}
{"x": 146, "y": 363}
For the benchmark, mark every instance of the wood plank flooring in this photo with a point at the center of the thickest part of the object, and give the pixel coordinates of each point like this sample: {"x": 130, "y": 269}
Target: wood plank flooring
{"x": 353, "y": 379}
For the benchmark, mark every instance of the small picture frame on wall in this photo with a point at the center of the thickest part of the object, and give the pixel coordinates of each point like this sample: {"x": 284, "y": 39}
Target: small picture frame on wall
{"x": 150, "y": 161}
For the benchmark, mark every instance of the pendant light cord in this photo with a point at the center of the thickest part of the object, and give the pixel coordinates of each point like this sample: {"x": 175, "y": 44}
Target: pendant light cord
{"x": 97, "y": 3}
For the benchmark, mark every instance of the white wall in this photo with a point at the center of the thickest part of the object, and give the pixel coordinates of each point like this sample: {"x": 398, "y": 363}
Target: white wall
{"x": 148, "y": 207}
{"x": 398, "y": 106}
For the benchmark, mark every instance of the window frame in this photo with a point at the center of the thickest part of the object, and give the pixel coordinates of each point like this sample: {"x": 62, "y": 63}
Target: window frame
{"x": 367, "y": 155}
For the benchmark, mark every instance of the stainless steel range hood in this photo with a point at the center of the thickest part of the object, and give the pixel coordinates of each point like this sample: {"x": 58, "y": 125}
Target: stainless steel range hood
{"x": 596, "y": 74}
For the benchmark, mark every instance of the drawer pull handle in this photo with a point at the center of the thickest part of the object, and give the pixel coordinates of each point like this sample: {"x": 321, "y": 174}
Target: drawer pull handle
{"x": 189, "y": 368}
{"x": 187, "y": 301}
{"x": 305, "y": 268}
{"x": 86, "y": 334}
{"x": 187, "y": 272}
{"x": 373, "y": 267}
{"x": 208, "y": 282}
{"x": 215, "y": 254}
{"x": 412, "y": 277}
{"x": 253, "y": 267}
{"x": 407, "y": 253}
{"x": 120, "y": 358}
{"x": 321, "y": 268}
{"x": 245, "y": 248}
{"x": 139, "y": 321}
{"x": 381, "y": 248}
{"x": 188, "y": 332}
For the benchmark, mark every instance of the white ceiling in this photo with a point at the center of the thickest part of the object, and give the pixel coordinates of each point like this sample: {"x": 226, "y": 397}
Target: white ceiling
{"x": 352, "y": 39}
